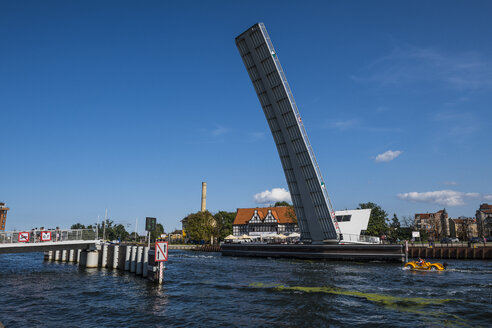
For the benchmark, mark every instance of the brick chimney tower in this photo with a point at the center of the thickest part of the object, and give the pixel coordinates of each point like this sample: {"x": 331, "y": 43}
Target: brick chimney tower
{"x": 204, "y": 196}
{"x": 3, "y": 216}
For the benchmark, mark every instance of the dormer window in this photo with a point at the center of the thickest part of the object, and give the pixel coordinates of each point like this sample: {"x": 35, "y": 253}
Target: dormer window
{"x": 255, "y": 218}
{"x": 270, "y": 218}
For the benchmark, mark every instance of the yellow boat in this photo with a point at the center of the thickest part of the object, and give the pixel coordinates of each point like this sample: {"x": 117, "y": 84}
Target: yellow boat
{"x": 425, "y": 266}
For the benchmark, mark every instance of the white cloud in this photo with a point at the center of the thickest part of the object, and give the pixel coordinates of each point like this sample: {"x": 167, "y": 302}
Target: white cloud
{"x": 343, "y": 125}
{"x": 219, "y": 130}
{"x": 487, "y": 198}
{"x": 358, "y": 124}
{"x": 388, "y": 156}
{"x": 441, "y": 197}
{"x": 272, "y": 196}
{"x": 411, "y": 64}
{"x": 257, "y": 135}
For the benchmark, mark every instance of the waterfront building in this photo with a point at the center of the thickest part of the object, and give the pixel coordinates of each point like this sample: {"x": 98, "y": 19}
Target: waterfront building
{"x": 463, "y": 228}
{"x": 264, "y": 221}
{"x": 3, "y": 216}
{"x": 484, "y": 220}
{"x": 353, "y": 222}
{"x": 435, "y": 225}
{"x": 176, "y": 236}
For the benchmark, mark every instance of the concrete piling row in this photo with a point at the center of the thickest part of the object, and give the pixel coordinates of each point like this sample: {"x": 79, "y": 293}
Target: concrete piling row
{"x": 135, "y": 259}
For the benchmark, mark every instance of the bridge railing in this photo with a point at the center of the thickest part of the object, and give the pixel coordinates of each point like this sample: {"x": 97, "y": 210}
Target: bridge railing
{"x": 41, "y": 236}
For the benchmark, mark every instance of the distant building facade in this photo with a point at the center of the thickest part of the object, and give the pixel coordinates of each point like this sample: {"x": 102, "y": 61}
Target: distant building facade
{"x": 177, "y": 236}
{"x": 463, "y": 228}
{"x": 263, "y": 221}
{"x": 484, "y": 220}
{"x": 3, "y": 216}
{"x": 436, "y": 225}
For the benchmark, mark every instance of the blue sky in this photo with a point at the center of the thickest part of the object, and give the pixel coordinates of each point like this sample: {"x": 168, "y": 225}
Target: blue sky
{"x": 131, "y": 105}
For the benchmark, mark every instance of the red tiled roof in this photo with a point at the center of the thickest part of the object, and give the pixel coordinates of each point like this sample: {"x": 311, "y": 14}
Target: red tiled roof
{"x": 281, "y": 213}
{"x": 486, "y": 208}
{"x": 428, "y": 215}
{"x": 464, "y": 220}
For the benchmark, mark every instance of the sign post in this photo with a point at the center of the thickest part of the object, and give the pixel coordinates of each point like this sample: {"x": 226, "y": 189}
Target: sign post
{"x": 161, "y": 255}
{"x": 150, "y": 225}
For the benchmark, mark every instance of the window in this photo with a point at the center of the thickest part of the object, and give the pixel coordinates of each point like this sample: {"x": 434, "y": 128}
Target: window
{"x": 343, "y": 218}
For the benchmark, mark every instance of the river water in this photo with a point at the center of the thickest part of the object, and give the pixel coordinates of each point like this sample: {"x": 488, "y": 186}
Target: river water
{"x": 208, "y": 290}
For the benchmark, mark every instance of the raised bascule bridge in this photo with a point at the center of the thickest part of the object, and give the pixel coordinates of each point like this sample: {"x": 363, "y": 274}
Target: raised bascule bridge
{"x": 316, "y": 218}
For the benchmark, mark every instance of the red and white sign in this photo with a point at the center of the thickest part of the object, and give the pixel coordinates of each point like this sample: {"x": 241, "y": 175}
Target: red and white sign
{"x": 160, "y": 251}
{"x": 23, "y": 237}
{"x": 45, "y": 235}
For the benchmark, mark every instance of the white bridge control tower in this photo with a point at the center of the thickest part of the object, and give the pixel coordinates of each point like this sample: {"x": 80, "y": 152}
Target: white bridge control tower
{"x": 315, "y": 214}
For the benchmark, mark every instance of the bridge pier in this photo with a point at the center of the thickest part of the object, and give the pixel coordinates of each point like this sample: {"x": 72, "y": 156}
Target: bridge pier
{"x": 128, "y": 254}
{"x": 104, "y": 256}
{"x": 136, "y": 259}
{"x": 116, "y": 254}
{"x": 133, "y": 259}
{"x": 48, "y": 256}
{"x": 111, "y": 256}
{"x": 89, "y": 259}
{"x": 139, "y": 260}
{"x": 71, "y": 255}
{"x": 145, "y": 269}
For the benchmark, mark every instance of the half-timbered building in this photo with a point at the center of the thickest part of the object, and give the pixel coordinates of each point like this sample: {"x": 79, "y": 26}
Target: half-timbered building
{"x": 263, "y": 221}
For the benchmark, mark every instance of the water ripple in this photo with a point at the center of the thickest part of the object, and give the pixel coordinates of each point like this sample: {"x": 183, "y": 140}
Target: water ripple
{"x": 206, "y": 289}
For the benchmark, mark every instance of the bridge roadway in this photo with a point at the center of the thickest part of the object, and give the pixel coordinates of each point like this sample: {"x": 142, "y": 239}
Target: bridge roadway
{"x": 47, "y": 246}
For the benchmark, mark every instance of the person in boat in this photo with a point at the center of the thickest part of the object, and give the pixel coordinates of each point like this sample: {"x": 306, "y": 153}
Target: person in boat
{"x": 421, "y": 262}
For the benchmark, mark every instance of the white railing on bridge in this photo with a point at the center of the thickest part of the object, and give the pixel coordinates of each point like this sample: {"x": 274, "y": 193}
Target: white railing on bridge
{"x": 41, "y": 236}
{"x": 346, "y": 238}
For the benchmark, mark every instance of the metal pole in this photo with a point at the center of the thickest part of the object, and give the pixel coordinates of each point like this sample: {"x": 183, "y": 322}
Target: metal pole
{"x": 97, "y": 228}
{"x": 161, "y": 273}
{"x": 104, "y": 224}
{"x": 406, "y": 251}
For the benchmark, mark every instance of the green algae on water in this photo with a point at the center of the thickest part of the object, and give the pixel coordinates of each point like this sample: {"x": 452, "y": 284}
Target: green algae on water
{"x": 407, "y": 304}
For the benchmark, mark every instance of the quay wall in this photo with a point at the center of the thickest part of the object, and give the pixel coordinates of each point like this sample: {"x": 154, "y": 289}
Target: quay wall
{"x": 321, "y": 252}
{"x": 456, "y": 253}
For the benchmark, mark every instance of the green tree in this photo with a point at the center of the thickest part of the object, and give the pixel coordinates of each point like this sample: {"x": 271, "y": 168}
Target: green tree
{"x": 201, "y": 226}
{"x": 119, "y": 232}
{"x": 224, "y": 221}
{"x": 282, "y": 203}
{"x": 291, "y": 213}
{"x": 377, "y": 225}
{"x": 106, "y": 230}
{"x": 395, "y": 228}
{"x": 77, "y": 226}
{"x": 159, "y": 230}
